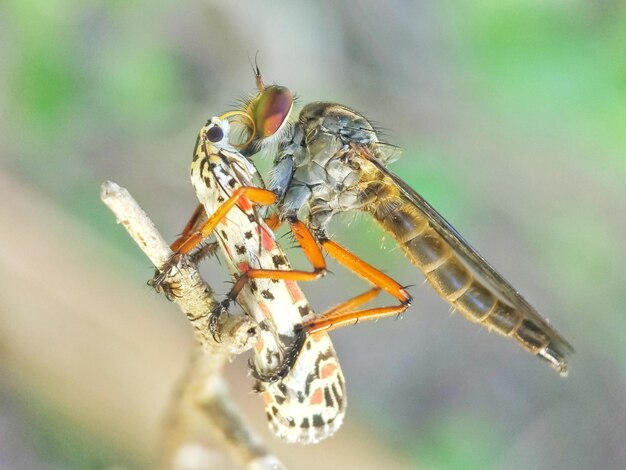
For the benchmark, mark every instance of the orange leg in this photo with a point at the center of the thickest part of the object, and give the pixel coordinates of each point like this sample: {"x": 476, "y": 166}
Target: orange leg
{"x": 273, "y": 222}
{"x": 197, "y": 219}
{"x": 343, "y": 314}
{"x": 188, "y": 241}
{"x": 352, "y": 303}
{"x": 366, "y": 271}
{"x": 338, "y": 317}
{"x": 328, "y": 323}
{"x": 311, "y": 250}
{"x": 199, "y": 216}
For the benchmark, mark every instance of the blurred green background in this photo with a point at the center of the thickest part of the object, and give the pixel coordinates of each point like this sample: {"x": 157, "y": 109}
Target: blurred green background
{"x": 512, "y": 119}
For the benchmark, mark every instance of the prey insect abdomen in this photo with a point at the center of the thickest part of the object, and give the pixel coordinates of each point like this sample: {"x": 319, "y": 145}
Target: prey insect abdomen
{"x": 455, "y": 282}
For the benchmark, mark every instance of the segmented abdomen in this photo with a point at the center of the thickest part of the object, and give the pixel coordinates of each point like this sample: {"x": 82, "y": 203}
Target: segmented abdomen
{"x": 461, "y": 288}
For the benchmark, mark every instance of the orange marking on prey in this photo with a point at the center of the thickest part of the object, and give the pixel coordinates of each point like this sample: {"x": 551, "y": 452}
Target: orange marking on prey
{"x": 294, "y": 291}
{"x": 265, "y": 310}
{"x": 267, "y": 398}
{"x": 317, "y": 336}
{"x": 328, "y": 370}
{"x": 317, "y": 397}
{"x": 244, "y": 204}
{"x": 243, "y": 267}
{"x": 268, "y": 240}
{"x": 259, "y": 346}
{"x": 228, "y": 252}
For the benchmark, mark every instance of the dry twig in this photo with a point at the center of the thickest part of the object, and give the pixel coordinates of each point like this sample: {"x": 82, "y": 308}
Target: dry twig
{"x": 203, "y": 389}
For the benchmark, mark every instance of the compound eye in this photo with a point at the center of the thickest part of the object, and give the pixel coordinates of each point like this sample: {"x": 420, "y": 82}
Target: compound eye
{"x": 215, "y": 134}
{"x": 272, "y": 110}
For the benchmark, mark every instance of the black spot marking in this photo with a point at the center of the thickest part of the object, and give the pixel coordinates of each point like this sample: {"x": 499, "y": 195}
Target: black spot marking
{"x": 336, "y": 393}
{"x": 309, "y": 380}
{"x": 275, "y": 411}
{"x": 224, "y": 236}
{"x": 251, "y": 217}
{"x": 248, "y": 235}
{"x": 220, "y": 199}
{"x": 308, "y": 345}
{"x": 300, "y": 397}
{"x": 340, "y": 380}
{"x": 269, "y": 416}
{"x": 240, "y": 249}
{"x": 196, "y": 150}
{"x": 267, "y": 294}
{"x": 279, "y": 260}
{"x": 326, "y": 355}
{"x": 291, "y": 422}
{"x": 304, "y": 310}
{"x": 318, "y": 421}
{"x": 275, "y": 281}
{"x": 279, "y": 399}
{"x": 212, "y": 166}
{"x": 253, "y": 286}
{"x": 265, "y": 327}
{"x": 205, "y": 173}
{"x": 327, "y": 398}
{"x": 283, "y": 388}
{"x": 232, "y": 182}
{"x": 305, "y": 423}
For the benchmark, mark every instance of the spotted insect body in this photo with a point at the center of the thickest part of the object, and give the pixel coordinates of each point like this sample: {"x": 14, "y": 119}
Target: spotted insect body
{"x": 308, "y": 403}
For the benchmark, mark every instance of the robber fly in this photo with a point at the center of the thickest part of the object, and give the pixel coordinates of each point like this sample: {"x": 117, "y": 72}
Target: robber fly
{"x": 329, "y": 161}
{"x": 301, "y": 381}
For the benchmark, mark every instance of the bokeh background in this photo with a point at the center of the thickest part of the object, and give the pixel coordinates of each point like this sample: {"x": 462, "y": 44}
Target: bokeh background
{"x": 512, "y": 119}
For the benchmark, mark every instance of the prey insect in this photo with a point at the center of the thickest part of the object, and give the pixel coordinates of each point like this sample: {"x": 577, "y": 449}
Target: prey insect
{"x": 331, "y": 161}
{"x": 300, "y": 378}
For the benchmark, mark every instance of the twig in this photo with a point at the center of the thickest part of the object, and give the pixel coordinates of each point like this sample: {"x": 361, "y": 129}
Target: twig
{"x": 203, "y": 387}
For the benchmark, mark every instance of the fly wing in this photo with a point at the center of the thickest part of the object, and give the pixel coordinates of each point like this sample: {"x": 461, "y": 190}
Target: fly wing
{"x": 474, "y": 261}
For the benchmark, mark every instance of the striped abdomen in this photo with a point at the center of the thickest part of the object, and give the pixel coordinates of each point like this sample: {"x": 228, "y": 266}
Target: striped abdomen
{"x": 458, "y": 285}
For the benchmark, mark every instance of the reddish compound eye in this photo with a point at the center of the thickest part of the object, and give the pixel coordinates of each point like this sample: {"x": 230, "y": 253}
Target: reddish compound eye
{"x": 272, "y": 109}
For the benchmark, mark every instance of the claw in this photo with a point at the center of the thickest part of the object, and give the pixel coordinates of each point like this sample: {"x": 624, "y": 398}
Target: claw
{"x": 218, "y": 310}
{"x": 159, "y": 281}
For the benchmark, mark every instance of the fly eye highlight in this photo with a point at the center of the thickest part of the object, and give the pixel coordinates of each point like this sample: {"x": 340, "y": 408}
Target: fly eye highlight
{"x": 214, "y": 134}
{"x": 271, "y": 110}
